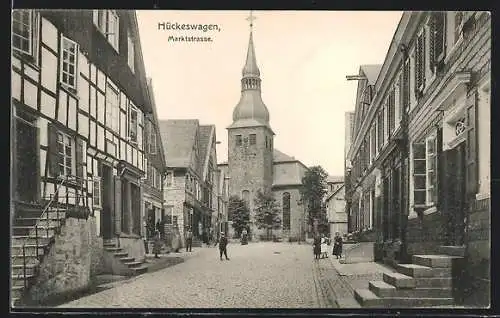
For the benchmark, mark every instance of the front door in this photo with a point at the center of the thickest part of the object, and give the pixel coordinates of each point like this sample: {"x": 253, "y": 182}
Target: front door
{"x": 107, "y": 197}
{"x": 455, "y": 195}
{"x": 26, "y": 161}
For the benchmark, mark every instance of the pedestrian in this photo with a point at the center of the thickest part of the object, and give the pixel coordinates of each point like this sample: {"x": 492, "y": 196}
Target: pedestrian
{"x": 324, "y": 246}
{"x": 189, "y": 240}
{"x": 337, "y": 245}
{"x": 157, "y": 244}
{"x": 317, "y": 246}
{"x": 223, "y": 246}
{"x": 244, "y": 237}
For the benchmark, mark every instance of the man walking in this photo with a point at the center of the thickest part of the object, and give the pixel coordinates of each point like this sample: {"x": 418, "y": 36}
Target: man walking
{"x": 222, "y": 246}
{"x": 189, "y": 240}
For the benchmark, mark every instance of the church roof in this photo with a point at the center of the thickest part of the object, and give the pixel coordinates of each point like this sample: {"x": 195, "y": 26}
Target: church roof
{"x": 334, "y": 193}
{"x": 250, "y": 110}
{"x": 279, "y": 156}
{"x": 371, "y": 71}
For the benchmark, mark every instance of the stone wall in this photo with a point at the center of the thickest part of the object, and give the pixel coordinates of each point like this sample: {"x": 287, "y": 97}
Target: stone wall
{"x": 425, "y": 234}
{"x": 134, "y": 247}
{"x": 67, "y": 266}
{"x": 478, "y": 254}
{"x": 96, "y": 247}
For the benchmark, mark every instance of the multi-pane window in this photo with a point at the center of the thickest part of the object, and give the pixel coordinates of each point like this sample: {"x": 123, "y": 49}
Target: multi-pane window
{"x": 391, "y": 112}
{"x": 253, "y": 139}
{"x": 419, "y": 174}
{"x": 170, "y": 179}
{"x": 65, "y": 149}
{"x": 130, "y": 52}
{"x": 69, "y": 62}
{"x": 239, "y": 140}
{"x": 96, "y": 192}
{"x": 373, "y": 140}
{"x": 286, "y": 211}
{"x": 108, "y": 22}
{"x": 380, "y": 128}
{"x": 24, "y": 31}
{"x": 431, "y": 165}
{"x": 132, "y": 122}
{"x": 420, "y": 63}
{"x": 112, "y": 108}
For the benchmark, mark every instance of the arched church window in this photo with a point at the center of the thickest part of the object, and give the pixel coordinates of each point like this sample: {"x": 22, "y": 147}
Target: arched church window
{"x": 286, "y": 211}
{"x": 245, "y": 195}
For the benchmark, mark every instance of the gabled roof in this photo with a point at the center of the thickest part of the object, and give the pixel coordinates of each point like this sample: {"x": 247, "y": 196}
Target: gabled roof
{"x": 205, "y": 137}
{"x": 371, "y": 72}
{"x": 334, "y": 193}
{"x": 178, "y": 138}
{"x": 279, "y": 156}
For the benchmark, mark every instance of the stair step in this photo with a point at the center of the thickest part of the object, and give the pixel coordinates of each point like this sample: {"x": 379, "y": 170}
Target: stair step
{"x": 399, "y": 280}
{"x": 385, "y": 290}
{"x": 140, "y": 270}
{"x": 120, "y": 254}
{"x": 434, "y": 261}
{"x": 368, "y": 299}
{"x": 415, "y": 270}
{"x": 347, "y": 302}
{"x": 113, "y": 249}
{"x": 109, "y": 244}
{"x": 126, "y": 259}
{"x": 452, "y": 250}
{"x": 133, "y": 264}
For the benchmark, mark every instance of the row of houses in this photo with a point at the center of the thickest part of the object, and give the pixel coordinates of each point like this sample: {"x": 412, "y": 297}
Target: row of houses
{"x": 418, "y": 146}
{"x": 89, "y": 155}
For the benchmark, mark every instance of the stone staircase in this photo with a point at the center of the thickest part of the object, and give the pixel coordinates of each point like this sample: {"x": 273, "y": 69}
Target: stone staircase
{"x": 426, "y": 282}
{"x": 130, "y": 267}
{"x": 36, "y": 232}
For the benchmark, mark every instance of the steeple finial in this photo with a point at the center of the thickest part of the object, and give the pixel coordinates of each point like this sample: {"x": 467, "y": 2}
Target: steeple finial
{"x": 250, "y": 19}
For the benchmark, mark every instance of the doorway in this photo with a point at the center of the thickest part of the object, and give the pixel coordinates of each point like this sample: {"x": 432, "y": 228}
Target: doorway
{"x": 26, "y": 159}
{"x": 454, "y": 195}
{"x": 107, "y": 201}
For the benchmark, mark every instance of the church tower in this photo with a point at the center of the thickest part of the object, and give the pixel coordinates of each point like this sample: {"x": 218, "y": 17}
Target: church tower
{"x": 250, "y": 137}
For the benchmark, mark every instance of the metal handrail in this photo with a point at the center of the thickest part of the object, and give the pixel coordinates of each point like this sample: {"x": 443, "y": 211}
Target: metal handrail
{"x": 45, "y": 210}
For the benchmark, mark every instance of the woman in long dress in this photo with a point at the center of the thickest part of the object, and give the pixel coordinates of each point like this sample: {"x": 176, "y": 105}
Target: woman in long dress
{"x": 324, "y": 247}
{"x": 337, "y": 245}
{"x": 317, "y": 246}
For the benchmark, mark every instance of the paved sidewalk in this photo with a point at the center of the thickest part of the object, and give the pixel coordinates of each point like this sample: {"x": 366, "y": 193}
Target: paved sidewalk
{"x": 356, "y": 276}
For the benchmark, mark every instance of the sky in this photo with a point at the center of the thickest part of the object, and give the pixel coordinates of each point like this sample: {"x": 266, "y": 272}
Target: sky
{"x": 303, "y": 57}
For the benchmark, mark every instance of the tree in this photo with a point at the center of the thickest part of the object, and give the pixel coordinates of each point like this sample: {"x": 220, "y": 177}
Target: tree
{"x": 313, "y": 191}
{"x": 239, "y": 214}
{"x": 267, "y": 212}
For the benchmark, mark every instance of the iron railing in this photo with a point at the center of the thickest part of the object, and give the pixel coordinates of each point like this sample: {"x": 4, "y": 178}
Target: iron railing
{"x": 80, "y": 194}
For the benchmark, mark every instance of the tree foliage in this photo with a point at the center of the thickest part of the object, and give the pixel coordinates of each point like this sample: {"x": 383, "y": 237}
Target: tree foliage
{"x": 239, "y": 214}
{"x": 267, "y": 212}
{"x": 313, "y": 191}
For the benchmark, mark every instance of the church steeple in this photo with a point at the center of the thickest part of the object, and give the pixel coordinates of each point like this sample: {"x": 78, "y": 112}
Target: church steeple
{"x": 251, "y": 110}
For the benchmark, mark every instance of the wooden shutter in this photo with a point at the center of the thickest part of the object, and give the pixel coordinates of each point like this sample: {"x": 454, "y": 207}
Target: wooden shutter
{"x": 117, "y": 206}
{"x": 439, "y": 36}
{"x": 406, "y": 85}
{"x": 471, "y": 150}
{"x": 432, "y": 41}
{"x": 53, "y": 152}
{"x": 419, "y": 174}
{"x": 79, "y": 151}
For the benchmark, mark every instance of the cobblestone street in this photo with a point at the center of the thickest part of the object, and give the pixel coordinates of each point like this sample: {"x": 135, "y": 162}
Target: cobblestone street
{"x": 258, "y": 275}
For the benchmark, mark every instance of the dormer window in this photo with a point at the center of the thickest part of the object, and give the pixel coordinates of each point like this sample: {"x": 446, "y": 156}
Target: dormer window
{"x": 108, "y": 22}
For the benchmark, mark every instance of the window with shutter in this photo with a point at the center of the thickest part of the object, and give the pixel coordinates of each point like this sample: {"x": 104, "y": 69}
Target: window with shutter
{"x": 458, "y": 25}
{"x": 419, "y": 64}
{"x": 96, "y": 192}
{"x": 80, "y": 153}
{"x": 471, "y": 151}
{"x": 380, "y": 127}
{"x": 440, "y": 36}
{"x": 391, "y": 112}
{"x": 419, "y": 174}
{"x": 406, "y": 86}
{"x": 431, "y": 167}
{"x": 373, "y": 142}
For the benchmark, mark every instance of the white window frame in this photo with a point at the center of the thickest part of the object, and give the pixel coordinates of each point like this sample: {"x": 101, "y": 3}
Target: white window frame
{"x": 63, "y": 61}
{"x": 169, "y": 180}
{"x": 63, "y": 168}
{"x": 97, "y": 193}
{"x": 112, "y": 109}
{"x": 131, "y": 109}
{"x": 130, "y": 52}
{"x": 428, "y": 157}
{"x": 33, "y": 36}
{"x": 110, "y": 30}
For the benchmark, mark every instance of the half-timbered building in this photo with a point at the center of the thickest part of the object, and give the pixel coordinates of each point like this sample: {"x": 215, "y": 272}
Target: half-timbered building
{"x": 79, "y": 105}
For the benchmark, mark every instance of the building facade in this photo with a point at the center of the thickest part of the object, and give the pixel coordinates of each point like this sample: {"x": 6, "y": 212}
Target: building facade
{"x": 190, "y": 186}
{"x": 336, "y": 206}
{"x": 79, "y": 103}
{"x": 155, "y": 169}
{"x": 433, "y": 168}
